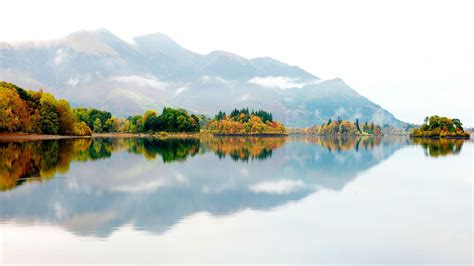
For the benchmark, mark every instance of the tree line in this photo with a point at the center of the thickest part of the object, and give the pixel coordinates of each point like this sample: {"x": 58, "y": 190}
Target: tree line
{"x": 41, "y": 113}
{"x": 37, "y": 112}
{"x": 170, "y": 120}
{"x": 243, "y": 115}
{"x": 344, "y": 127}
{"x": 243, "y": 122}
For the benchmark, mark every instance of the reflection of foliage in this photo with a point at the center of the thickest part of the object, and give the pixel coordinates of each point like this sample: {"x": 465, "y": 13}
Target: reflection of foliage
{"x": 40, "y": 160}
{"x": 171, "y": 150}
{"x": 340, "y": 143}
{"x": 36, "y": 160}
{"x": 100, "y": 148}
{"x": 244, "y": 148}
{"x": 439, "y": 147}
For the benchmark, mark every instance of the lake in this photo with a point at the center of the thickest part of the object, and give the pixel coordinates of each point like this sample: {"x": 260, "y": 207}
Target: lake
{"x": 295, "y": 200}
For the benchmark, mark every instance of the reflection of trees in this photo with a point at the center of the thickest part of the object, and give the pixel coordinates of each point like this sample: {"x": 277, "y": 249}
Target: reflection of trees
{"x": 39, "y": 160}
{"x": 439, "y": 147}
{"x": 104, "y": 205}
{"x": 244, "y": 148}
{"x": 36, "y": 160}
{"x": 170, "y": 150}
{"x": 344, "y": 143}
{"x": 155, "y": 197}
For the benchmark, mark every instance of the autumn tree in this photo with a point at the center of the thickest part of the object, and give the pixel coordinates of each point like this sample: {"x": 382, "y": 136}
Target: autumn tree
{"x": 436, "y": 126}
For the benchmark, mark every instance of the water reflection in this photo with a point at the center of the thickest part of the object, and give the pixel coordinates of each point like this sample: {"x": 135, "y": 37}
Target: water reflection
{"x": 243, "y": 149}
{"x": 38, "y": 160}
{"x": 153, "y": 184}
{"x": 440, "y": 147}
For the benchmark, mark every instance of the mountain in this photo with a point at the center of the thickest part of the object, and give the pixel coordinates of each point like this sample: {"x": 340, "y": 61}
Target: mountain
{"x": 98, "y": 69}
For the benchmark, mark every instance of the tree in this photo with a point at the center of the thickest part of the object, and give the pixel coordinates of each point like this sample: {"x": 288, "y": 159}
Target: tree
{"x": 35, "y": 112}
{"x": 427, "y": 119}
{"x": 234, "y": 113}
{"x": 436, "y": 126}
{"x": 97, "y": 125}
{"x": 11, "y": 108}
{"x": 108, "y": 126}
{"x": 67, "y": 119}
{"x": 245, "y": 122}
{"x": 366, "y": 127}
{"x": 457, "y": 123}
{"x": 357, "y": 125}
{"x": 49, "y": 116}
{"x": 219, "y": 116}
{"x": 151, "y": 122}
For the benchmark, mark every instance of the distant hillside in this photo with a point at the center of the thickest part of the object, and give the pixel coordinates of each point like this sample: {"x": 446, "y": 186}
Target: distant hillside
{"x": 98, "y": 69}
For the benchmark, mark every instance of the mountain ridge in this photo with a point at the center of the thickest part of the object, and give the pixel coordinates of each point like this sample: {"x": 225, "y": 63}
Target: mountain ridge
{"x": 99, "y": 69}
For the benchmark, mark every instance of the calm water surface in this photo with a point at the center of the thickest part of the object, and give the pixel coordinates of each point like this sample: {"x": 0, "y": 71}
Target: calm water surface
{"x": 236, "y": 200}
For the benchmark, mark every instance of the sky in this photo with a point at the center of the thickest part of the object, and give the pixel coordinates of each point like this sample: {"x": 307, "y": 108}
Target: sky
{"x": 414, "y": 58}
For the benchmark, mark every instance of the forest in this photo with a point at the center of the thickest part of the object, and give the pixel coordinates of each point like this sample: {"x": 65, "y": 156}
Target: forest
{"x": 441, "y": 127}
{"x": 244, "y": 122}
{"x": 23, "y": 111}
{"x": 37, "y": 112}
{"x": 170, "y": 120}
{"x": 344, "y": 127}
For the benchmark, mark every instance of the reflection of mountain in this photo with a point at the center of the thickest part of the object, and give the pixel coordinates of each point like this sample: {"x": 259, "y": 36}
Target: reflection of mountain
{"x": 97, "y": 196}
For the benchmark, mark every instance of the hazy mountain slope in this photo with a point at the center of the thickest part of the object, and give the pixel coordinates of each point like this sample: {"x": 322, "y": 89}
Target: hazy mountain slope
{"x": 96, "y": 68}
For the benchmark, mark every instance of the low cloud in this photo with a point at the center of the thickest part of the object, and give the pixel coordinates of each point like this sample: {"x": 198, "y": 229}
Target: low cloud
{"x": 61, "y": 55}
{"x": 210, "y": 79}
{"x": 245, "y": 97}
{"x": 280, "y": 82}
{"x": 151, "y": 81}
{"x": 144, "y": 186}
{"x": 283, "y": 186}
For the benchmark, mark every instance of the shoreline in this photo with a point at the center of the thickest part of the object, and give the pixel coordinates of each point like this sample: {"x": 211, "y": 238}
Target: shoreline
{"x": 441, "y": 137}
{"x": 30, "y": 136}
{"x": 160, "y": 135}
{"x": 165, "y": 135}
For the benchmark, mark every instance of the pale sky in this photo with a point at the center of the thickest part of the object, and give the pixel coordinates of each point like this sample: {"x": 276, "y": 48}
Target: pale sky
{"x": 414, "y": 58}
